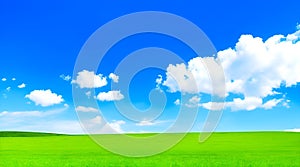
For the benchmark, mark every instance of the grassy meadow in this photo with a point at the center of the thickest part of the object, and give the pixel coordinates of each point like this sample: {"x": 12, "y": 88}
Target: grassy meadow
{"x": 221, "y": 149}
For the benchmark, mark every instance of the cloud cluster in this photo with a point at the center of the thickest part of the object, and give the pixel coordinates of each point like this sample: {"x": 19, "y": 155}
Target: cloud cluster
{"x": 86, "y": 109}
{"x": 65, "y": 77}
{"x": 253, "y": 68}
{"x": 88, "y": 79}
{"x": 113, "y": 95}
{"x": 44, "y": 97}
{"x": 114, "y": 77}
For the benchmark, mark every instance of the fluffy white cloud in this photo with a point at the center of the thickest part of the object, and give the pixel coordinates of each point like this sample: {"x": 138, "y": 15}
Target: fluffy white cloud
{"x": 65, "y": 77}
{"x": 86, "y": 109}
{"x": 96, "y": 120}
{"x": 271, "y": 103}
{"x": 23, "y": 85}
{"x": 13, "y": 79}
{"x": 177, "y": 102}
{"x": 44, "y": 97}
{"x": 214, "y": 106}
{"x": 253, "y": 68}
{"x": 116, "y": 125}
{"x": 113, "y": 95}
{"x": 194, "y": 77}
{"x": 8, "y": 88}
{"x": 248, "y": 104}
{"x": 88, "y": 79}
{"x": 193, "y": 102}
{"x": 3, "y": 79}
{"x": 114, "y": 77}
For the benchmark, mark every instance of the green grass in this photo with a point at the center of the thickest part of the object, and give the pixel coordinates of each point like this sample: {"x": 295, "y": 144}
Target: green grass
{"x": 221, "y": 149}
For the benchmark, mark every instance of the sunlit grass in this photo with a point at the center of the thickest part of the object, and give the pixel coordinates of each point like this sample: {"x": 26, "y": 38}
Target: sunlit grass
{"x": 221, "y": 149}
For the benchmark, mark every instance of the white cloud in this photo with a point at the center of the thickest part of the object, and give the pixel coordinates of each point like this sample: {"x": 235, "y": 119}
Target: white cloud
{"x": 88, "y": 79}
{"x": 36, "y": 113}
{"x": 116, "y": 125}
{"x": 86, "y": 109}
{"x": 271, "y": 103}
{"x": 23, "y": 85}
{"x": 88, "y": 94}
{"x": 38, "y": 121}
{"x": 177, "y": 102}
{"x": 152, "y": 123}
{"x": 259, "y": 66}
{"x": 66, "y": 105}
{"x": 8, "y": 88}
{"x": 253, "y": 68}
{"x": 194, "y": 78}
{"x": 214, "y": 106}
{"x": 158, "y": 81}
{"x": 65, "y": 77}
{"x": 113, "y": 95}
{"x": 293, "y": 130}
{"x": 44, "y": 97}
{"x": 145, "y": 123}
{"x": 114, "y": 77}
{"x": 3, "y": 79}
{"x": 13, "y": 79}
{"x": 96, "y": 120}
{"x": 248, "y": 104}
{"x": 298, "y": 26}
{"x": 193, "y": 102}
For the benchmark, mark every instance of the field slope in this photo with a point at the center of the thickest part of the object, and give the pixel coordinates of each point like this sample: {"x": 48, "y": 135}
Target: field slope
{"x": 221, "y": 149}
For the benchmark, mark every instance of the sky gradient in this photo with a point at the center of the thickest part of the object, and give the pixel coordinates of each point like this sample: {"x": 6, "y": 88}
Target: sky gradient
{"x": 257, "y": 44}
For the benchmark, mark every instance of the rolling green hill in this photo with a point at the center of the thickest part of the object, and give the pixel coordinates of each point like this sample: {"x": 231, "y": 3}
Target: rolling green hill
{"x": 221, "y": 149}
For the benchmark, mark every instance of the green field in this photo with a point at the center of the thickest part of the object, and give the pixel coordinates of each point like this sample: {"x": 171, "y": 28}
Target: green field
{"x": 221, "y": 149}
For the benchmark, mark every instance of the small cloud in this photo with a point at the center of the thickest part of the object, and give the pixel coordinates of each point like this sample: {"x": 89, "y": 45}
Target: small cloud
{"x": 158, "y": 80}
{"x": 44, "y": 97}
{"x": 298, "y": 26}
{"x": 193, "y": 102}
{"x": 22, "y": 86}
{"x": 65, "y": 77}
{"x": 88, "y": 93}
{"x": 96, "y": 120}
{"x": 214, "y": 106}
{"x": 116, "y": 125}
{"x": 86, "y": 109}
{"x": 66, "y": 105}
{"x": 177, "y": 102}
{"x": 88, "y": 79}
{"x": 3, "y": 79}
{"x": 113, "y": 95}
{"x": 13, "y": 79}
{"x": 145, "y": 123}
{"x": 8, "y": 88}
{"x": 151, "y": 123}
{"x": 114, "y": 77}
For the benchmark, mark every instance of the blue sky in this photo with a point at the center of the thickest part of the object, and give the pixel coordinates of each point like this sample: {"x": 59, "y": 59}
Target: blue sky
{"x": 40, "y": 42}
